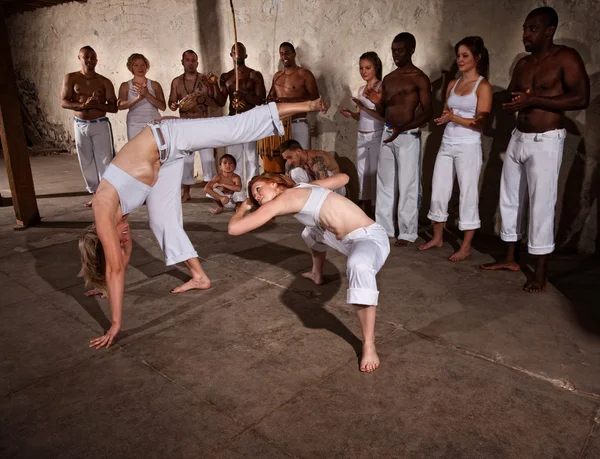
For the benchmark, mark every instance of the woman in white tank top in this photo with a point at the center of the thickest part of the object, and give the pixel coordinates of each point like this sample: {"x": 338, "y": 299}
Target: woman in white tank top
{"x": 370, "y": 130}
{"x": 468, "y": 102}
{"x": 140, "y": 95}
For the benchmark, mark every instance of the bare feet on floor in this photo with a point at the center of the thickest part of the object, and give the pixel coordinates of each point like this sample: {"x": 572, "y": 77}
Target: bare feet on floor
{"x": 185, "y": 198}
{"x": 216, "y": 210}
{"x": 460, "y": 255}
{"x": 402, "y": 243}
{"x": 430, "y": 244}
{"x": 316, "y": 278}
{"x": 534, "y": 286}
{"x": 369, "y": 360}
{"x": 506, "y": 265}
{"x": 202, "y": 283}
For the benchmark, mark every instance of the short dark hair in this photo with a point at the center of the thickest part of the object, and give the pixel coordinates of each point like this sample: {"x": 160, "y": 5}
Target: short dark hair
{"x": 87, "y": 48}
{"x": 290, "y": 144}
{"x": 407, "y": 38}
{"x": 547, "y": 14}
{"x": 188, "y": 51}
{"x": 289, "y": 45}
{"x": 228, "y": 156}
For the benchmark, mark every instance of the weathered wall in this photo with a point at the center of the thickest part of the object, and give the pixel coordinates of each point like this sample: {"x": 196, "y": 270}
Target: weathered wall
{"x": 329, "y": 37}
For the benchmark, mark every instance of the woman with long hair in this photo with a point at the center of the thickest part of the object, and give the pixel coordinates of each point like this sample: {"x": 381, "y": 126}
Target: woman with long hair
{"x": 333, "y": 221}
{"x": 370, "y": 130}
{"x": 140, "y": 95}
{"x": 468, "y": 103}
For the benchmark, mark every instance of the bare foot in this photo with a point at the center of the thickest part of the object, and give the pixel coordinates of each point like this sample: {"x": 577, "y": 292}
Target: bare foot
{"x": 216, "y": 210}
{"x": 94, "y": 292}
{"x": 202, "y": 283}
{"x": 430, "y": 244}
{"x": 460, "y": 255}
{"x": 316, "y": 278}
{"x": 185, "y": 197}
{"x": 369, "y": 360}
{"x": 317, "y": 105}
{"x": 507, "y": 265}
{"x": 402, "y": 243}
{"x": 534, "y": 286}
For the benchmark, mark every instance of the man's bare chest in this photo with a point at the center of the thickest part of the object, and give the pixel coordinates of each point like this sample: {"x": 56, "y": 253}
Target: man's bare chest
{"x": 539, "y": 76}
{"x": 86, "y": 87}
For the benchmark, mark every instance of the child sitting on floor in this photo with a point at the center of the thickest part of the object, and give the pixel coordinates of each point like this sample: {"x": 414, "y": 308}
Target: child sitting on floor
{"x": 226, "y": 187}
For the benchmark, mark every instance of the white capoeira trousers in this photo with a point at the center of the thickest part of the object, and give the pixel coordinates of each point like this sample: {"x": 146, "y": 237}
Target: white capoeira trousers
{"x": 462, "y": 158}
{"x": 245, "y": 151}
{"x": 368, "y": 146}
{"x": 530, "y": 175}
{"x": 301, "y": 132}
{"x": 366, "y": 249}
{"x": 399, "y": 176}
{"x": 207, "y": 158}
{"x": 175, "y": 139}
{"x": 299, "y": 175}
{"x": 95, "y": 149}
{"x": 234, "y": 198}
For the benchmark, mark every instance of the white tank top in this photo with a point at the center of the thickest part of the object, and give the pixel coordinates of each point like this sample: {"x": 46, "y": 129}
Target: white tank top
{"x": 465, "y": 107}
{"x": 143, "y": 111}
{"x": 367, "y": 122}
{"x": 309, "y": 215}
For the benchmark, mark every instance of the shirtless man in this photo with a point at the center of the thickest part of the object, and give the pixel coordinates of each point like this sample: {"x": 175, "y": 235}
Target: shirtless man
{"x": 90, "y": 96}
{"x": 196, "y": 85}
{"x": 549, "y": 81}
{"x": 251, "y": 93}
{"x": 294, "y": 84}
{"x": 404, "y": 100}
{"x": 304, "y": 166}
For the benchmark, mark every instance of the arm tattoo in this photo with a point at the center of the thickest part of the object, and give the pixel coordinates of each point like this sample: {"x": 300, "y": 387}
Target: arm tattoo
{"x": 319, "y": 168}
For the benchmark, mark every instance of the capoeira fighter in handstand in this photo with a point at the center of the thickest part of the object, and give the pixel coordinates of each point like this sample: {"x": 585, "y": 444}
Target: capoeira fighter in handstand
{"x": 149, "y": 168}
{"x": 331, "y": 221}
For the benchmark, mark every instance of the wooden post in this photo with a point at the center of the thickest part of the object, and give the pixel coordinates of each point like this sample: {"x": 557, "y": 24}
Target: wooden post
{"x": 14, "y": 145}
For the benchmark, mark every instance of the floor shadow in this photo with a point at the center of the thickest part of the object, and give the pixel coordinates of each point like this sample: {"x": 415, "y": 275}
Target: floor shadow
{"x": 62, "y": 195}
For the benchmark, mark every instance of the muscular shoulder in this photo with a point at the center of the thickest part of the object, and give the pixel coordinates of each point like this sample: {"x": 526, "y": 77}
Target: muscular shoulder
{"x": 567, "y": 54}
{"x": 278, "y": 74}
{"x": 254, "y": 73}
{"x": 304, "y": 72}
{"x": 421, "y": 76}
{"x": 177, "y": 80}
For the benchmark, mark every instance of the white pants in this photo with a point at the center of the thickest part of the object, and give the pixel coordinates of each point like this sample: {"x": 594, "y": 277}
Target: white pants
{"x": 299, "y": 175}
{"x": 176, "y": 137}
{"x": 134, "y": 128}
{"x": 399, "y": 176}
{"x": 301, "y": 132}
{"x": 366, "y": 249}
{"x": 234, "y": 198}
{"x": 209, "y": 170}
{"x": 368, "y": 146}
{"x": 247, "y": 152}
{"x": 95, "y": 149}
{"x": 530, "y": 174}
{"x": 464, "y": 160}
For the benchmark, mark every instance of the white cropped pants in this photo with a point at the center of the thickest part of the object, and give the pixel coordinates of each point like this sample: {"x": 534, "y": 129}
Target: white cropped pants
{"x": 95, "y": 149}
{"x": 301, "y": 132}
{"x": 368, "y": 146}
{"x": 245, "y": 152}
{"x": 530, "y": 176}
{"x": 463, "y": 159}
{"x": 209, "y": 168}
{"x": 366, "y": 249}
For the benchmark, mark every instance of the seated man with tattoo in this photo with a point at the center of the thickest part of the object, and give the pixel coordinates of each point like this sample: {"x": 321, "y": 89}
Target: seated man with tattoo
{"x": 304, "y": 166}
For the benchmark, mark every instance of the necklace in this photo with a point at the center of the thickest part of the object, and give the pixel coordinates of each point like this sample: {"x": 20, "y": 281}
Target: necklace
{"x": 193, "y": 87}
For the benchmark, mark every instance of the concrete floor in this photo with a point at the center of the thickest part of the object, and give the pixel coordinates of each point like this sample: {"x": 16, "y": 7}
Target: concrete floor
{"x": 264, "y": 364}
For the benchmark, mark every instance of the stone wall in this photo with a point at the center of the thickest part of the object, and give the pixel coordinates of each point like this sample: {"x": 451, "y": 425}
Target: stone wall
{"x": 329, "y": 37}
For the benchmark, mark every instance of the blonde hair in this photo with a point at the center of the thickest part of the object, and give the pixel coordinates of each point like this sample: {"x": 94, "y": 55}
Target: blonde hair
{"x": 93, "y": 263}
{"x": 269, "y": 177}
{"x": 134, "y": 57}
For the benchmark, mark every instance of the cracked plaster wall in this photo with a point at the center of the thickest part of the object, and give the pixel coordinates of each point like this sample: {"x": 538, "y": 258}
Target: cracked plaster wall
{"x": 329, "y": 36}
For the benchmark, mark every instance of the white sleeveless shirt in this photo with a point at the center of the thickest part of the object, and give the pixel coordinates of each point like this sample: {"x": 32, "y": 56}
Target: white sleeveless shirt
{"x": 465, "y": 107}
{"x": 367, "y": 122}
{"x": 143, "y": 111}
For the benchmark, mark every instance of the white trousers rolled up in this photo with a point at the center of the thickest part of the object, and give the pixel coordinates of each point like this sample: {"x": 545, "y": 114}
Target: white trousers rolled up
{"x": 247, "y": 152}
{"x": 234, "y": 198}
{"x": 399, "y": 176}
{"x": 368, "y": 146}
{"x": 301, "y": 132}
{"x": 209, "y": 169}
{"x": 366, "y": 249}
{"x": 95, "y": 149}
{"x": 530, "y": 176}
{"x": 299, "y": 175}
{"x": 463, "y": 159}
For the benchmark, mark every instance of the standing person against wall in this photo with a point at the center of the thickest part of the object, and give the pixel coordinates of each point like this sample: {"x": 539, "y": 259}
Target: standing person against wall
{"x": 91, "y": 96}
{"x": 370, "y": 130}
{"x": 468, "y": 103}
{"x": 140, "y": 95}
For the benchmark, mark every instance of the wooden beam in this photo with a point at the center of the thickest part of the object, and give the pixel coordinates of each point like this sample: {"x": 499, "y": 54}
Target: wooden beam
{"x": 14, "y": 145}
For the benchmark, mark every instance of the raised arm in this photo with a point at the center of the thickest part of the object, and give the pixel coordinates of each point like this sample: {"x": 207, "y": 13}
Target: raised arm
{"x": 241, "y": 223}
{"x": 334, "y": 182}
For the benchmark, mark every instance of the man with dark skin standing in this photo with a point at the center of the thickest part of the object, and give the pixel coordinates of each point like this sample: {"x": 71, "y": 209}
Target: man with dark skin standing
{"x": 546, "y": 83}
{"x": 404, "y": 100}
{"x": 251, "y": 93}
{"x": 294, "y": 84}
{"x": 195, "y": 86}
{"x": 91, "y": 96}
